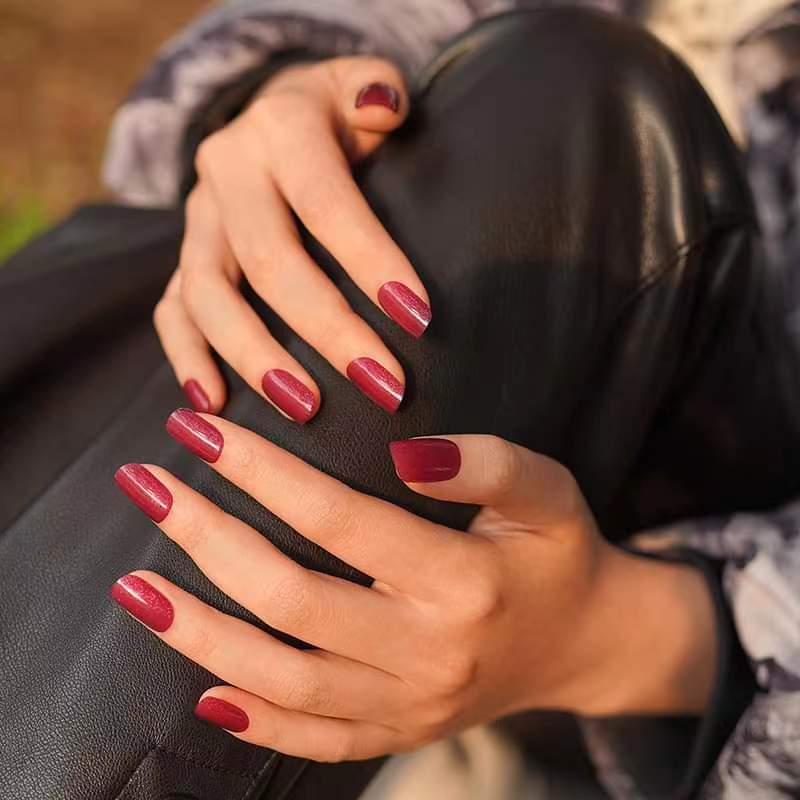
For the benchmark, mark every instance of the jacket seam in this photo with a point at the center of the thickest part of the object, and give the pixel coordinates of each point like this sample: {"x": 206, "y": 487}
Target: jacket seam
{"x": 197, "y": 763}
{"x": 724, "y": 223}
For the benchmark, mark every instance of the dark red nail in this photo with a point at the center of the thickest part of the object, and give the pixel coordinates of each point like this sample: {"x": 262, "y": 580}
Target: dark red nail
{"x": 425, "y": 460}
{"x": 376, "y": 382}
{"x": 194, "y": 433}
{"x": 290, "y": 395}
{"x": 145, "y": 490}
{"x": 378, "y": 94}
{"x": 222, "y": 714}
{"x": 196, "y": 396}
{"x": 407, "y": 309}
{"x": 144, "y": 602}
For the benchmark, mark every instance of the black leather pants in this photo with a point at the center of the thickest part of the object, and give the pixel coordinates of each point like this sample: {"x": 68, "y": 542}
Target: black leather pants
{"x": 578, "y": 214}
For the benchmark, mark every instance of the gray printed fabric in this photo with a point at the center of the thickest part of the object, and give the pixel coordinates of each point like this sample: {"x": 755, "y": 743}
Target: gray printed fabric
{"x": 143, "y": 163}
{"x": 761, "y": 581}
{"x": 761, "y": 553}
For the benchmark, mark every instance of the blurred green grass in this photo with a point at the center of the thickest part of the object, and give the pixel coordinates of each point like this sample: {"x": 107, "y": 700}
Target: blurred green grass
{"x": 20, "y": 221}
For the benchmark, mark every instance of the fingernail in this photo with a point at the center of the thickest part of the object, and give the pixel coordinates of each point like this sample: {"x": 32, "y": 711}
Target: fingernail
{"x": 222, "y": 714}
{"x": 143, "y": 601}
{"x": 146, "y": 491}
{"x": 376, "y": 382}
{"x": 196, "y": 395}
{"x": 194, "y": 433}
{"x": 378, "y": 94}
{"x": 290, "y": 395}
{"x": 425, "y": 460}
{"x": 405, "y": 307}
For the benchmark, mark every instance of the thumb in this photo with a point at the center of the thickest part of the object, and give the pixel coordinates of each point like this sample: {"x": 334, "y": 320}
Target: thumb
{"x": 371, "y": 97}
{"x": 488, "y": 471}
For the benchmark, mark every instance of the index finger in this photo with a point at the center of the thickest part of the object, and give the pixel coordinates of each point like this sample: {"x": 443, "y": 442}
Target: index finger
{"x": 338, "y": 216}
{"x": 392, "y": 545}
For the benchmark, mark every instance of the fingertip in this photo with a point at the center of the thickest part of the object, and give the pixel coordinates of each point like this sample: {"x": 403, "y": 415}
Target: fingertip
{"x": 136, "y": 592}
{"x": 293, "y": 398}
{"x": 378, "y": 93}
{"x": 407, "y": 308}
{"x": 221, "y": 713}
{"x": 205, "y": 395}
{"x": 425, "y": 460}
{"x": 143, "y": 487}
{"x": 386, "y": 388}
{"x": 196, "y": 433}
{"x": 377, "y": 108}
{"x": 196, "y": 395}
{"x": 373, "y": 94}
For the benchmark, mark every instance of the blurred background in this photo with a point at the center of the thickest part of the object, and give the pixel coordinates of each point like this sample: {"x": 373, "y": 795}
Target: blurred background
{"x": 65, "y": 66}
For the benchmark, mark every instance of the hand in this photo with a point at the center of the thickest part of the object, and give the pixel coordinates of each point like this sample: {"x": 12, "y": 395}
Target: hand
{"x": 532, "y": 609}
{"x": 291, "y": 151}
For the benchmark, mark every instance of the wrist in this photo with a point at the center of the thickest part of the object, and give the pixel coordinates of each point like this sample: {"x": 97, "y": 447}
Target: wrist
{"x": 653, "y": 632}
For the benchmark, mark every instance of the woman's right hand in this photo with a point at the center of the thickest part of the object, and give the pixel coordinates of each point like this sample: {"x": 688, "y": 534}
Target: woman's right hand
{"x": 291, "y": 151}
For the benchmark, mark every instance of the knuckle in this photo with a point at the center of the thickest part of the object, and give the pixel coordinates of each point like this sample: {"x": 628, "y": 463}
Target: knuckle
{"x": 193, "y": 202}
{"x": 342, "y": 748}
{"x": 436, "y": 720}
{"x": 454, "y": 674}
{"x": 245, "y": 460}
{"x": 260, "y": 266}
{"x": 286, "y": 118}
{"x": 565, "y": 479}
{"x": 300, "y": 693}
{"x": 201, "y": 643}
{"x": 482, "y": 598}
{"x": 332, "y": 516}
{"x": 262, "y": 108}
{"x": 161, "y": 314}
{"x": 275, "y": 107}
{"x": 192, "y": 285}
{"x": 289, "y": 604}
{"x": 193, "y": 532}
{"x": 501, "y": 466}
{"x": 208, "y": 152}
{"x": 317, "y": 207}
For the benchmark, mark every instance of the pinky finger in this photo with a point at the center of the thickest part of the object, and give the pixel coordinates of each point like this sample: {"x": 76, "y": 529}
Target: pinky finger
{"x": 294, "y": 733}
{"x": 188, "y": 352}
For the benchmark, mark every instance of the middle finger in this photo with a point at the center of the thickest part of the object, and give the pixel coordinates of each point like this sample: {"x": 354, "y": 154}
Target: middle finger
{"x": 396, "y": 547}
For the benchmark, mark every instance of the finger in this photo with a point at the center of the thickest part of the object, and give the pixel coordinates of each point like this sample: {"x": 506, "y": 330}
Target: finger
{"x": 489, "y": 471}
{"x": 393, "y": 545}
{"x": 336, "y": 615}
{"x": 262, "y": 723}
{"x": 238, "y": 653}
{"x": 187, "y": 350}
{"x": 309, "y": 166}
{"x": 371, "y": 97}
{"x": 230, "y": 324}
{"x": 264, "y": 237}
{"x": 337, "y": 214}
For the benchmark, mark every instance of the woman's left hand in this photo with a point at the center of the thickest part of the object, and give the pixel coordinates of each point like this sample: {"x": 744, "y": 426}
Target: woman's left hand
{"x": 532, "y": 609}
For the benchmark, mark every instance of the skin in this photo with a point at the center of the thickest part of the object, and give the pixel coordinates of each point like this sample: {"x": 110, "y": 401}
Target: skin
{"x": 534, "y": 609}
{"x": 290, "y": 151}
